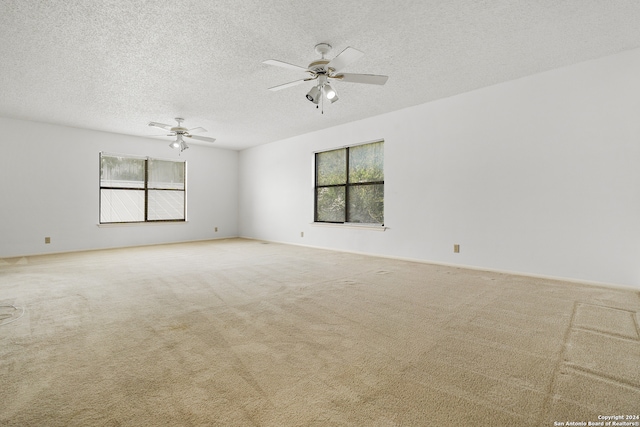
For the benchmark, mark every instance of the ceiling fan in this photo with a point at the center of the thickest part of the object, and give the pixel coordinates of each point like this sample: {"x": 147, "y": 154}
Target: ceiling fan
{"x": 324, "y": 70}
{"x": 180, "y": 132}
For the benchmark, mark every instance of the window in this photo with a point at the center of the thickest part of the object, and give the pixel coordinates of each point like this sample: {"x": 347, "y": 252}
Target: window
{"x": 349, "y": 184}
{"x": 139, "y": 189}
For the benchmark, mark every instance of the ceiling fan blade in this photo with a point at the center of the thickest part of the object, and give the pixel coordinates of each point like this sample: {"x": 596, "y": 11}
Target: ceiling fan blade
{"x": 370, "y": 79}
{"x": 197, "y": 130}
{"x": 290, "y": 84}
{"x": 201, "y": 138}
{"x": 345, "y": 58}
{"x": 160, "y": 125}
{"x": 284, "y": 65}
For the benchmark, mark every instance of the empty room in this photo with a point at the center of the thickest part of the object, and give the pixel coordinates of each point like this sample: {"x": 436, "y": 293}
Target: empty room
{"x": 295, "y": 213}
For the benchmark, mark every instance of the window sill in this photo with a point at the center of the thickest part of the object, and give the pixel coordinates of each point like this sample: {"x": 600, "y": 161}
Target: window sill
{"x": 137, "y": 224}
{"x": 372, "y": 227}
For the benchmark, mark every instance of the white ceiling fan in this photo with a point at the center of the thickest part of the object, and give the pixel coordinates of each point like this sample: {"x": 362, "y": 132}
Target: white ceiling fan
{"x": 323, "y": 70}
{"x": 180, "y": 132}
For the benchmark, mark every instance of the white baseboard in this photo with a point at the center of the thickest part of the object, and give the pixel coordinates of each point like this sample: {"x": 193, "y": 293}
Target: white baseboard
{"x": 468, "y": 267}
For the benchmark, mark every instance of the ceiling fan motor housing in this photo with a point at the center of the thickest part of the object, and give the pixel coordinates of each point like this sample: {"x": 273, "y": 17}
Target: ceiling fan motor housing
{"x": 319, "y": 66}
{"x": 179, "y": 129}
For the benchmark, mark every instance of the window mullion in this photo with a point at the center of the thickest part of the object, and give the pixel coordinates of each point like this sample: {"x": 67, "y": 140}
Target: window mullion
{"x": 184, "y": 191}
{"x": 315, "y": 196}
{"x": 346, "y": 188}
{"x": 146, "y": 190}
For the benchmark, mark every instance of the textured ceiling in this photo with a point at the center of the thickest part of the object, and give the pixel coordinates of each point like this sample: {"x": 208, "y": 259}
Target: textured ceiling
{"x": 115, "y": 65}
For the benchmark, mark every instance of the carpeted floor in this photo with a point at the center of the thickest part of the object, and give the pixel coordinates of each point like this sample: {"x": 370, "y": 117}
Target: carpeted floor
{"x": 246, "y": 333}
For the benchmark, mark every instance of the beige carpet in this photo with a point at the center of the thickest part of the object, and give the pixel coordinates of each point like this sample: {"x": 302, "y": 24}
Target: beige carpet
{"x": 246, "y": 333}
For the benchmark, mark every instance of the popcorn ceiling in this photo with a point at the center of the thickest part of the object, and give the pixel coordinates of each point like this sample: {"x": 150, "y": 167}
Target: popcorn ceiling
{"x": 116, "y": 65}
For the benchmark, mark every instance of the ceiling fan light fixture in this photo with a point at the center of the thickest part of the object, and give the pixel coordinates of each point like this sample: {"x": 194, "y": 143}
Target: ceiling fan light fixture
{"x": 329, "y": 92}
{"x": 179, "y": 143}
{"x": 314, "y": 94}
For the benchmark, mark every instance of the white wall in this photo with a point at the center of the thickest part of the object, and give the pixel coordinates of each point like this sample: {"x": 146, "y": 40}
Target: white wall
{"x": 49, "y": 187}
{"x": 539, "y": 175}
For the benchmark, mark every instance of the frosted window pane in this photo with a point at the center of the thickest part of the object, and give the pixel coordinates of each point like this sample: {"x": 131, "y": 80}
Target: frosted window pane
{"x": 166, "y": 174}
{"x": 331, "y": 167}
{"x": 366, "y": 163}
{"x": 165, "y": 204}
{"x": 366, "y": 203}
{"x": 121, "y": 172}
{"x": 121, "y": 205}
{"x": 330, "y": 204}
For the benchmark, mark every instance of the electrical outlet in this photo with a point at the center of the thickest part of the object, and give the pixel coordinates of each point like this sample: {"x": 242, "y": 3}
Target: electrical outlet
{"x": 302, "y": 234}
{"x": 456, "y": 249}
{"x": 216, "y": 229}
{"x": 47, "y": 240}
